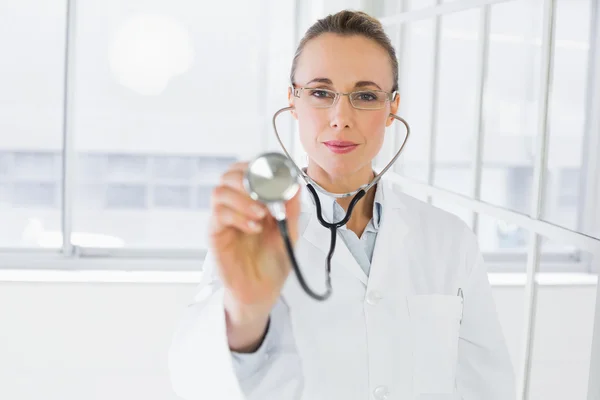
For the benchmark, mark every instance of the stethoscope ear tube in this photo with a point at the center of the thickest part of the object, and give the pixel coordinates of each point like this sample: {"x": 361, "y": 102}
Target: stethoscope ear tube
{"x": 310, "y": 184}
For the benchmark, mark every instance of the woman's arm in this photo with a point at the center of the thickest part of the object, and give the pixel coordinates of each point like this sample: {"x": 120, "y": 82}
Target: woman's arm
{"x": 202, "y": 365}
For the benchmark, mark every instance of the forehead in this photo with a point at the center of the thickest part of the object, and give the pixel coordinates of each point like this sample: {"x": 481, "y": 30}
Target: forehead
{"x": 345, "y": 60}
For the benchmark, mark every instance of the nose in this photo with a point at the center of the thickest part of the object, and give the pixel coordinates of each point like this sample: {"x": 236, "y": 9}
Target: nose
{"x": 342, "y": 113}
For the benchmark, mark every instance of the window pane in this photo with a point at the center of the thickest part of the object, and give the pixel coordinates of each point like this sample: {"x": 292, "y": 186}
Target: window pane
{"x": 153, "y": 123}
{"x": 171, "y": 196}
{"x": 509, "y": 298}
{"x": 203, "y": 197}
{"x": 210, "y": 169}
{"x": 511, "y": 103}
{"x": 564, "y": 190}
{"x": 5, "y": 196}
{"x": 35, "y": 194}
{"x": 5, "y": 165}
{"x": 172, "y": 167}
{"x": 126, "y": 196}
{"x": 126, "y": 167}
{"x": 91, "y": 197}
{"x": 384, "y": 8}
{"x": 456, "y": 107}
{"x": 92, "y": 167}
{"x": 31, "y": 101}
{"x": 36, "y": 166}
{"x": 498, "y": 236}
{"x": 417, "y": 4}
{"x": 564, "y": 329}
{"x": 416, "y": 70}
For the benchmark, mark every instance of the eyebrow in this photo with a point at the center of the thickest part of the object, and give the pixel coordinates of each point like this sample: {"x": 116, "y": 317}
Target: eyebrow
{"x": 359, "y": 84}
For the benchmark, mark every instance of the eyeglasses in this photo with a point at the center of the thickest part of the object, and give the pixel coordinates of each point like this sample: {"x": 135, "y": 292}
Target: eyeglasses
{"x": 361, "y": 100}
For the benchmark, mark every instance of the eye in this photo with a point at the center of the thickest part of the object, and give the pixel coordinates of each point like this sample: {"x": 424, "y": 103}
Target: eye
{"x": 366, "y": 96}
{"x": 321, "y": 93}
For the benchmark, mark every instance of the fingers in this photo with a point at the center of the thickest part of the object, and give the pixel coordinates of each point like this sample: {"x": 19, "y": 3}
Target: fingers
{"x": 232, "y": 206}
{"x": 234, "y": 178}
{"x": 224, "y": 217}
{"x": 239, "y": 202}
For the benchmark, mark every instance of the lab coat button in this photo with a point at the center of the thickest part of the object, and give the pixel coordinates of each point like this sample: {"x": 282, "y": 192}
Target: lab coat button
{"x": 373, "y": 297}
{"x": 381, "y": 393}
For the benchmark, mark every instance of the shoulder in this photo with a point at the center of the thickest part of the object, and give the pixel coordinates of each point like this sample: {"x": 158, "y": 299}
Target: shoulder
{"x": 436, "y": 238}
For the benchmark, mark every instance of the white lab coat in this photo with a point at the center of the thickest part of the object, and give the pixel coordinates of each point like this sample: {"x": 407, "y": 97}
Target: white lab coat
{"x": 402, "y": 333}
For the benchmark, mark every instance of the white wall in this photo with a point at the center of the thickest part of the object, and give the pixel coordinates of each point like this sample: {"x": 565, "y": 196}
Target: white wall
{"x": 85, "y": 341}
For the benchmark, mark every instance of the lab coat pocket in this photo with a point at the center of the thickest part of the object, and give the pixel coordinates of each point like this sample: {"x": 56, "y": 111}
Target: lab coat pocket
{"x": 435, "y": 321}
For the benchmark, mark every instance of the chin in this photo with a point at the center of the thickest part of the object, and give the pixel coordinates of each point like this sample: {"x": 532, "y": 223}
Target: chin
{"x": 336, "y": 166}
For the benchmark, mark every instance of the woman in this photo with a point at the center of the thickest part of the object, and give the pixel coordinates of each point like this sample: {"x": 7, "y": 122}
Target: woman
{"x": 411, "y": 314}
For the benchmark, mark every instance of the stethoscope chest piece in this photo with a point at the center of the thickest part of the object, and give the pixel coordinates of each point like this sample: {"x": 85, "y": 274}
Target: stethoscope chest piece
{"x": 272, "y": 179}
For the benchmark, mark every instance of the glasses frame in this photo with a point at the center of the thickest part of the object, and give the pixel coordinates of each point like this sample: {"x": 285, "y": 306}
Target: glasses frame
{"x": 390, "y": 96}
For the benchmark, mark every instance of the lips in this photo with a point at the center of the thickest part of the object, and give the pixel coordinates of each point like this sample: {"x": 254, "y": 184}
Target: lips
{"x": 340, "y": 146}
{"x": 340, "y": 143}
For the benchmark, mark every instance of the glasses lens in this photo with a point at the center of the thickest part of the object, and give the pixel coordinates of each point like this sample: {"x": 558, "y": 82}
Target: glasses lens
{"x": 369, "y": 99}
{"x": 320, "y": 98}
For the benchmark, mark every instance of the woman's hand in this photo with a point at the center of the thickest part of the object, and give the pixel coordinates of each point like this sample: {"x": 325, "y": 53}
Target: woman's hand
{"x": 250, "y": 256}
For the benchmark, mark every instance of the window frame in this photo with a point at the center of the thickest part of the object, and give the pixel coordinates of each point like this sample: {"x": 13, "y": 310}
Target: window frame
{"x": 498, "y": 261}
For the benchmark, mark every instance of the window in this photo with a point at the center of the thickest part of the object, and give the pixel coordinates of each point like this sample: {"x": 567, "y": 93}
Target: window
{"x": 416, "y": 69}
{"x": 152, "y": 124}
{"x": 499, "y": 82}
{"x": 31, "y": 111}
{"x": 567, "y": 139}
{"x": 153, "y": 127}
{"x": 153, "y": 130}
{"x": 511, "y": 104}
{"x": 456, "y": 101}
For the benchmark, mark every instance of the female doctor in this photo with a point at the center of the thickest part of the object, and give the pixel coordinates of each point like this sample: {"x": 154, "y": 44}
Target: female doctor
{"x": 411, "y": 315}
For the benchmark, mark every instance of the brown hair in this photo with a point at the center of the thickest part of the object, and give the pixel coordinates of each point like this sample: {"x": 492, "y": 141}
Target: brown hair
{"x": 350, "y": 23}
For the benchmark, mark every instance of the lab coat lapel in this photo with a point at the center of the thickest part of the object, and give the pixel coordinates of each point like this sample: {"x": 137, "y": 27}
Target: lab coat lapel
{"x": 320, "y": 237}
{"x": 392, "y": 248}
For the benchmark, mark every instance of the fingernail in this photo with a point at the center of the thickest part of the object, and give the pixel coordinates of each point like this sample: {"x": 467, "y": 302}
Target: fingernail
{"x": 258, "y": 211}
{"x": 254, "y": 226}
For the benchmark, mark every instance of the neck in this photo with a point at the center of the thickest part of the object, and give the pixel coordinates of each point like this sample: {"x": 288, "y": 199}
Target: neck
{"x": 363, "y": 210}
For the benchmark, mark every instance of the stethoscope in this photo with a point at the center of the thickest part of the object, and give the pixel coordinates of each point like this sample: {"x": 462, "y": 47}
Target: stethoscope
{"x": 272, "y": 178}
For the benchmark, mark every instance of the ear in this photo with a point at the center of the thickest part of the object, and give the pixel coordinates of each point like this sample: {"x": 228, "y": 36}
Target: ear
{"x": 394, "y": 105}
{"x": 291, "y": 100}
